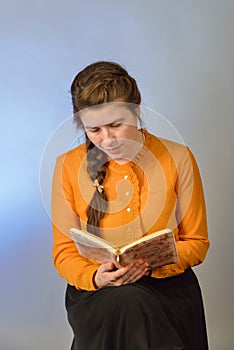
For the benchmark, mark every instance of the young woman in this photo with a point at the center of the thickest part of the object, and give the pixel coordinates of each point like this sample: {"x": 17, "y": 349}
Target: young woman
{"x": 121, "y": 184}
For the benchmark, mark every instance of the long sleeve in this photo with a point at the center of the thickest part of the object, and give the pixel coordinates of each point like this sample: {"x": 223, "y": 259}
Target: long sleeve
{"x": 191, "y": 232}
{"x": 76, "y": 270}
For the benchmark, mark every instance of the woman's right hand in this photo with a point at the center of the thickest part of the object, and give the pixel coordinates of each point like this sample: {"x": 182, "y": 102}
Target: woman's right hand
{"x": 108, "y": 275}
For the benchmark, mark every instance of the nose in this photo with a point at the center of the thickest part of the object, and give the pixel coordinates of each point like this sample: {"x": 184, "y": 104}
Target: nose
{"x": 107, "y": 136}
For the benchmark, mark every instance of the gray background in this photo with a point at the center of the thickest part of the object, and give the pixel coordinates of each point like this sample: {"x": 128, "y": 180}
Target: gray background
{"x": 181, "y": 53}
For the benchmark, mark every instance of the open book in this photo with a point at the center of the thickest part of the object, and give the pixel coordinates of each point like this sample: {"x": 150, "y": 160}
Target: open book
{"x": 158, "y": 248}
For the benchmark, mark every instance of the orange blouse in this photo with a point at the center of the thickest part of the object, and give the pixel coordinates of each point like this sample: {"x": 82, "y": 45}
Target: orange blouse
{"x": 161, "y": 187}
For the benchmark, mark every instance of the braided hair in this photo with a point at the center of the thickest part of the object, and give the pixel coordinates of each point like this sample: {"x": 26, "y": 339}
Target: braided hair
{"x": 100, "y": 82}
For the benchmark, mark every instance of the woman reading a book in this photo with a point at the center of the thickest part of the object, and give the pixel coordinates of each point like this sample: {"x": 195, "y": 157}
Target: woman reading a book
{"x": 121, "y": 184}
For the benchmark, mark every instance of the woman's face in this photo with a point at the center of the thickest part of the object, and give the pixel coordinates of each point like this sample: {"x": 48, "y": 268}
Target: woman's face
{"x": 113, "y": 129}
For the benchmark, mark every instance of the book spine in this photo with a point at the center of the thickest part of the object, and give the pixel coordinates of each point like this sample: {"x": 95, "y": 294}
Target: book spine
{"x": 117, "y": 253}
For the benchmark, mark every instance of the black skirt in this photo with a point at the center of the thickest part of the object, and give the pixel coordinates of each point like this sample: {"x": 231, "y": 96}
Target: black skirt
{"x": 151, "y": 314}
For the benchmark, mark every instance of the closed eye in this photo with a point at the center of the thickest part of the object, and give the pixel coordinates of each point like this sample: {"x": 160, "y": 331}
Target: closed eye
{"x": 94, "y": 130}
{"x": 115, "y": 125}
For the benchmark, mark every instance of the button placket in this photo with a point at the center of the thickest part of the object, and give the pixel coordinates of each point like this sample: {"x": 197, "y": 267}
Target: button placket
{"x": 131, "y": 207}
{"x": 127, "y": 193}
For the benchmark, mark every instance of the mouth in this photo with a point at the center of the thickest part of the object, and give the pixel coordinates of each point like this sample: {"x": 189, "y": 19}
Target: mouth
{"x": 112, "y": 150}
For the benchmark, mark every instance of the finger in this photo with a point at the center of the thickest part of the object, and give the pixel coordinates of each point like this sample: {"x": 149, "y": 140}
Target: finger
{"x": 127, "y": 274}
{"x": 135, "y": 273}
{"x": 103, "y": 274}
{"x": 117, "y": 277}
{"x": 107, "y": 267}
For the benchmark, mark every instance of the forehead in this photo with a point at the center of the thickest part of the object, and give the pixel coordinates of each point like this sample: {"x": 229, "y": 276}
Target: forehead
{"x": 108, "y": 113}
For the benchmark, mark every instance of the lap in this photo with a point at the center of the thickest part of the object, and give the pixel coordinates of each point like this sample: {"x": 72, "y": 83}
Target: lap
{"x": 166, "y": 311}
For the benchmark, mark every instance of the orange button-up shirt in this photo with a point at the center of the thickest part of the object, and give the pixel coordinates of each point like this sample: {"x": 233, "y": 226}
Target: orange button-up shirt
{"x": 161, "y": 187}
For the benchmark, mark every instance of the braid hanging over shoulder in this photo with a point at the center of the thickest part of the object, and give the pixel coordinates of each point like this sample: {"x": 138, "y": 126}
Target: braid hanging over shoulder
{"x": 97, "y": 164}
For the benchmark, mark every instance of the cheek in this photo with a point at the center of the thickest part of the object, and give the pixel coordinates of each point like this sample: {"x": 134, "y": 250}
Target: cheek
{"x": 130, "y": 133}
{"x": 93, "y": 138}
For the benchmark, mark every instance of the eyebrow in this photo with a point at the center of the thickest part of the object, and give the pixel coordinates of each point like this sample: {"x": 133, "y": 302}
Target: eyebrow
{"x": 109, "y": 124}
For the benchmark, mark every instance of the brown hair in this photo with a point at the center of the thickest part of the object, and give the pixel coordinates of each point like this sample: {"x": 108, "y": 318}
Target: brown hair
{"x": 100, "y": 82}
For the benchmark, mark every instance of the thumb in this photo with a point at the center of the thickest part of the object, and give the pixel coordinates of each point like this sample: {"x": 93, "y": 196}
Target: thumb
{"x": 109, "y": 266}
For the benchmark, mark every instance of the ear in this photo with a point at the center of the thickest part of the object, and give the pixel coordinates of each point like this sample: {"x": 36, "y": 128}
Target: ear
{"x": 138, "y": 110}
{"x": 138, "y": 115}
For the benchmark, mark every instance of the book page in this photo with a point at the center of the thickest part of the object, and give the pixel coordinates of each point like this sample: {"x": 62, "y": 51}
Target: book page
{"x": 158, "y": 251}
{"x": 146, "y": 238}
